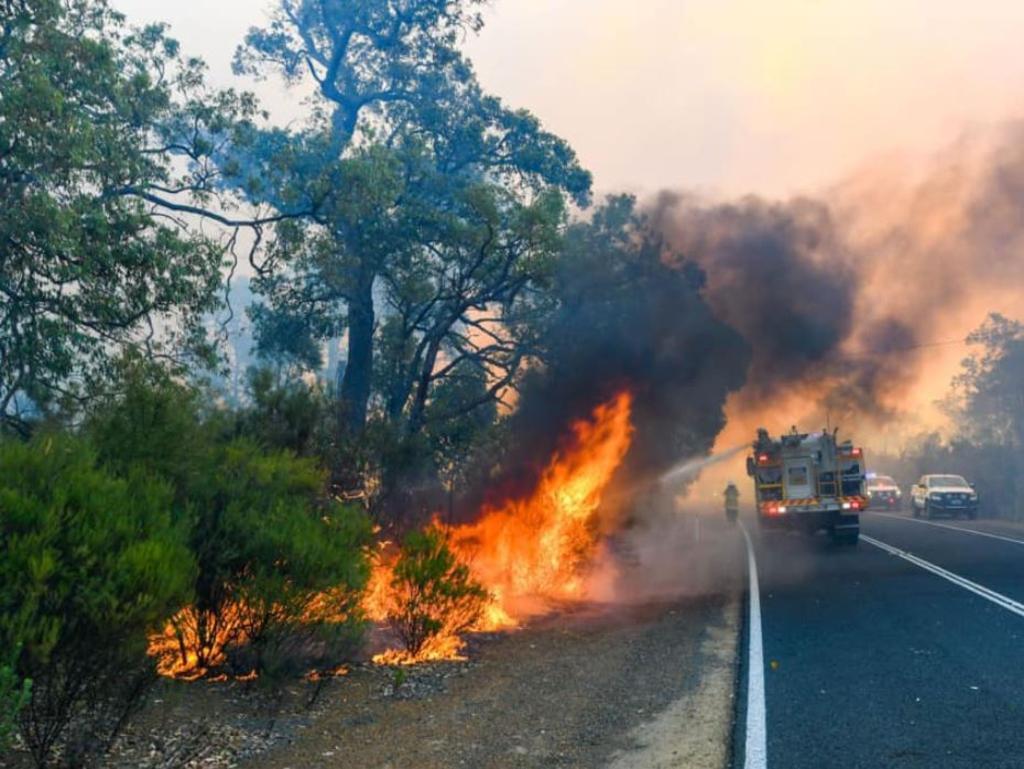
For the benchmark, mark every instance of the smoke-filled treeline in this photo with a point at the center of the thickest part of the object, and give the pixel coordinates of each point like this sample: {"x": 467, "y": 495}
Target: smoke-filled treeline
{"x": 444, "y": 258}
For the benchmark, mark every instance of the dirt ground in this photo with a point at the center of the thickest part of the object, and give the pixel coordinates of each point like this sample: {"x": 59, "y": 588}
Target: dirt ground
{"x": 648, "y": 685}
{"x": 575, "y": 692}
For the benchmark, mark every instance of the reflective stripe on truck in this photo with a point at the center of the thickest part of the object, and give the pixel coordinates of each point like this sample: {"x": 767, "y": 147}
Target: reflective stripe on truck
{"x": 783, "y": 506}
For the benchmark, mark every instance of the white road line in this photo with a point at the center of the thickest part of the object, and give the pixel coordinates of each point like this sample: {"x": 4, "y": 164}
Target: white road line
{"x": 997, "y": 598}
{"x": 947, "y": 526}
{"x": 756, "y": 751}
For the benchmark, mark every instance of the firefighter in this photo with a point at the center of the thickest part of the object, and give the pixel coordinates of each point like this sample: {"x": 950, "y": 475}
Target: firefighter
{"x": 732, "y": 502}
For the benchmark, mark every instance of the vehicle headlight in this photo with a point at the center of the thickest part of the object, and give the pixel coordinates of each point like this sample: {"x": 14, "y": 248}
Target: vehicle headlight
{"x": 935, "y": 495}
{"x": 899, "y": 493}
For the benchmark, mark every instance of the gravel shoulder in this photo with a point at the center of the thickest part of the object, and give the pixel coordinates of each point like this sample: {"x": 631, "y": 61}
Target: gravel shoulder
{"x": 694, "y": 731}
{"x": 648, "y": 685}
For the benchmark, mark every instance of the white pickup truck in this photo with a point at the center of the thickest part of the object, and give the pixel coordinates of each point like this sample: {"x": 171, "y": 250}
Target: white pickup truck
{"x": 943, "y": 495}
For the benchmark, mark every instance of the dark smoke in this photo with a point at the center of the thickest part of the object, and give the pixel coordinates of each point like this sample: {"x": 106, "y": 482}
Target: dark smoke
{"x": 840, "y": 297}
{"x": 627, "y": 317}
{"x": 784, "y": 276}
{"x": 777, "y": 273}
{"x": 836, "y": 301}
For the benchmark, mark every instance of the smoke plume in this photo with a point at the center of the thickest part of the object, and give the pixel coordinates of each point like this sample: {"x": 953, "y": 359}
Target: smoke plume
{"x": 627, "y": 318}
{"x": 723, "y": 316}
{"x": 843, "y": 297}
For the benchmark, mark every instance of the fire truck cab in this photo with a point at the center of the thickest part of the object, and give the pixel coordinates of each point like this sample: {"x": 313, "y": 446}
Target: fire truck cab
{"x": 809, "y": 482}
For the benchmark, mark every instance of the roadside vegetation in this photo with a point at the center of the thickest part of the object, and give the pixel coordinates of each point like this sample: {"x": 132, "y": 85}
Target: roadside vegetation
{"x": 154, "y": 521}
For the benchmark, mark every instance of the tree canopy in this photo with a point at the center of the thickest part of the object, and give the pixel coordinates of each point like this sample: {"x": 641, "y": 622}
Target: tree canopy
{"x": 107, "y": 136}
{"x": 433, "y": 206}
{"x": 988, "y": 402}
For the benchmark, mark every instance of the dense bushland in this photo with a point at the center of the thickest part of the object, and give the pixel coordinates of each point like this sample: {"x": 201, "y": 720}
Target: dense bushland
{"x": 164, "y": 534}
{"x": 279, "y": 564}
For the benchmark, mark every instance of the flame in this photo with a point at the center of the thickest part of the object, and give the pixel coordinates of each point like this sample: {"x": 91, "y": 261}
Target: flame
{"x": 527, "y": 552}
{"x": 314, "y": 676}
{"x": 533, "y": 550}
{"x": 180, "y": 649}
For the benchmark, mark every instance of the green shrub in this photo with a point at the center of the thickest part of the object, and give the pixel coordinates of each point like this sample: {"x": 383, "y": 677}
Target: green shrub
{"x": 150, "y": 422}
{"x": 279, "y": 569}
{"x": 433, "y": 594}
{"x": 303, "y": 563}
{"x": 92, "y": 563}
{"x": 284, "y": 414}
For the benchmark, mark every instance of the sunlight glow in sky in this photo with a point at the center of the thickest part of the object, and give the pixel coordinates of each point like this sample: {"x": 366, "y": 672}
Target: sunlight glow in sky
{"x": 729, "y": 96}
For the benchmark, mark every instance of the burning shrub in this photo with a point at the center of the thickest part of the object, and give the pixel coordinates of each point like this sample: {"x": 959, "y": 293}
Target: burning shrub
{"x": 433, "y": 598}
{"x": 278, "y": 570}
{"x": 300, "y": 599}
{"x": 531, "y": 549}
{"x": 91, "y": 564}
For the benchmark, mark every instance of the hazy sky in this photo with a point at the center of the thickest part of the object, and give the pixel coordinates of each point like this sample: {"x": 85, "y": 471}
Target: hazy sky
{"x": 771, "y": 96}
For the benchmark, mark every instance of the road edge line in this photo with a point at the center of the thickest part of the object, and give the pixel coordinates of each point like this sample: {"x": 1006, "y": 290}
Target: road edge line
{"x": 987, "y": 593}
{"x": 988, "y": 534}
{"x": 755, "y": 754}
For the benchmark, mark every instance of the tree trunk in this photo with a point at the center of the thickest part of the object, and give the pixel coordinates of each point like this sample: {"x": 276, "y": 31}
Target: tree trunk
{"x": 355, "y": 384}
{"x": 417, "y": 413}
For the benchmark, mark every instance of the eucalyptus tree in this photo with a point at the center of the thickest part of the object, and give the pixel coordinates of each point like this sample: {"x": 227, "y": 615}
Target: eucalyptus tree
{"x": 434, "y": 206}
{"x": 109, "y": 147}
{"x": 987, "y": 399}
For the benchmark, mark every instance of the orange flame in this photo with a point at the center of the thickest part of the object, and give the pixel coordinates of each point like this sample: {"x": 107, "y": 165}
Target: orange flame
{"x": 193, "y": 642}
{"x": 534, "y": 550}
{"x": 527, "y": 553}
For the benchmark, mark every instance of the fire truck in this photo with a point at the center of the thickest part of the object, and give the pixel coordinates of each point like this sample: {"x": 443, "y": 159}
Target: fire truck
{"x": 809, "y": 482}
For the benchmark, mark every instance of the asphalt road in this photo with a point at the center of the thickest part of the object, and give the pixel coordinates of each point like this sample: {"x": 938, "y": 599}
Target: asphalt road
{"x": 905, "y": 652}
